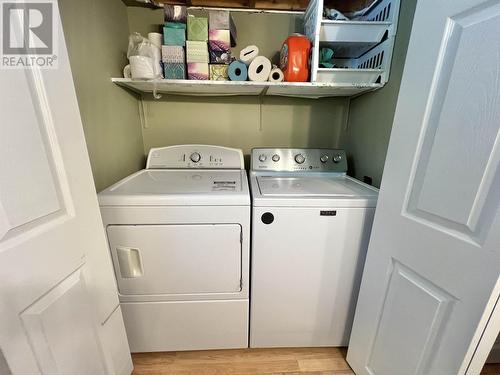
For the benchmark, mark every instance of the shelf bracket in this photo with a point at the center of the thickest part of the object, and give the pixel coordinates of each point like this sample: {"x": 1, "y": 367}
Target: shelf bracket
{"x": 156, "y": 95}
{"x": 143, "y": 114}
{"x": 261, "y": 102}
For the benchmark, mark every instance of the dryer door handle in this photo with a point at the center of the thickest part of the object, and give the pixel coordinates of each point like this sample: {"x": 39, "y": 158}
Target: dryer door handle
{"x": 130, "y": 263}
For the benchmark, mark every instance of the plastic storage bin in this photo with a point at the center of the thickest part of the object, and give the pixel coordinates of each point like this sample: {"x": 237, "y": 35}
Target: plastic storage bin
{"x": 362, "y": 48}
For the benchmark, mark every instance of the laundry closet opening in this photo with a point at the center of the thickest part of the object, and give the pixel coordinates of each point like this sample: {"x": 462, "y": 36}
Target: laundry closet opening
{"x": 203, "y": 187}
{"x": 120, "y": 128}
{"x": 157, "y": 221}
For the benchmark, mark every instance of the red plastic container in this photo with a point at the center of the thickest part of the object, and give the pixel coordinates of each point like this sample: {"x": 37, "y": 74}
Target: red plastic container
{"x": 294, "y": 58}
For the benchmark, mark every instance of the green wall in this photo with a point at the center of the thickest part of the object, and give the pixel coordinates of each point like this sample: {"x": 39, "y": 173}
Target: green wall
{"x": 242, "y": 122}
{"x": 370, "y": 116}
{"x": 96, "y": 35}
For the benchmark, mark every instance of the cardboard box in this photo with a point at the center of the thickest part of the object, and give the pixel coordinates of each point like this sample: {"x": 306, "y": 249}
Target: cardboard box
{"x": 173, "y": 54}
{"x": 176, "y": 13}
{"x": 175, "y": 25}
{"x": 174, "y": 70}
{"x": 196, "y": 52}
{"x": 220, "y": 57}
{"x": 174, "y": 36}
{"x": 197, "y": 28}
{"x": 219, "y": 72}
{"x": 198, "y": 71}
{"x": 222, "y": 20}
{"x": 219, "y": 42}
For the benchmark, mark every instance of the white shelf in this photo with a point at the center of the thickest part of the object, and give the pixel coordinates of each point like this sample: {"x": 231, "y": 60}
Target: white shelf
{"x": 231, "y": 88}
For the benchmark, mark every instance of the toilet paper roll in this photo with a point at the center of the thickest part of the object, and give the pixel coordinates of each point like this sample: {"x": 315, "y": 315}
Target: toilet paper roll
{"x": 157, "y": 61}
{"x": 248, "y": 54}
{"x": 259, "y": 69}
{"x": 141, "y": 67}
{"x": 238, "y": 71}
{"x": 156, "y": 39}
{"x": 276, "y": 75}
{"x": 127, "y": 73}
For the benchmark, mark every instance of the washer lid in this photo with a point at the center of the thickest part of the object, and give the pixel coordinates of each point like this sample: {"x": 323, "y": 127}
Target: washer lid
{"x": 312, "y": 190}
{"x": 179, "y": 187}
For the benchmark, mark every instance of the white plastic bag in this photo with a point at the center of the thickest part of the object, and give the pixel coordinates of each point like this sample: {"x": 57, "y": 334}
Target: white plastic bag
{"x": 144, "y": 58}
{"x": 139, "y": 46}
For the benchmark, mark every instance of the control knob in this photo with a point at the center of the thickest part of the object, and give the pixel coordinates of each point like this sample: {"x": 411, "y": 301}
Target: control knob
{"x": 262, "y": 158}
{"x": 337, "y": 158}
{"x": 324, "y": 158}
{"x": 195, "y": 157}
{"x": 276, "y": 158}
{"x": 299, "y": 158}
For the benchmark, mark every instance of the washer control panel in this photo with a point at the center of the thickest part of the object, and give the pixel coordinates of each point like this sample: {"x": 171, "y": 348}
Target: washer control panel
{"x": 299, "y": 160}
{"x": 195, "y": 157}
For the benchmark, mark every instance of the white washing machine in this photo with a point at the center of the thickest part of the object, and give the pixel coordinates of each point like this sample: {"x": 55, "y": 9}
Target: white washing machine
{"x": 179, "y": 235}
{"x": 311, "y": 225}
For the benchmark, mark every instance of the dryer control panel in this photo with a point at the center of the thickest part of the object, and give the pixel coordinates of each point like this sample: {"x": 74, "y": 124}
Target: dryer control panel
{"x": 299, "y": 160}
{"x": 195, "y": 157}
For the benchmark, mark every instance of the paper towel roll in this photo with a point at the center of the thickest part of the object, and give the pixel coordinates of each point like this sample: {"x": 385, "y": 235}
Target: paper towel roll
{"x": 156, "y": 39}
{"x": 249, "y": 53}
{"x": 259, "y": 69}
{"x": 276, "y": 75}
{"x": 157, "y": 61}
{"x": 237, "y": 71}
{"x": 141, "y": 67}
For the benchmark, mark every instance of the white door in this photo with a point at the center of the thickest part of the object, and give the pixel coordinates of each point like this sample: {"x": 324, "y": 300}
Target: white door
{"x": 59, "y": 312}
{"x": 434, "y": 256}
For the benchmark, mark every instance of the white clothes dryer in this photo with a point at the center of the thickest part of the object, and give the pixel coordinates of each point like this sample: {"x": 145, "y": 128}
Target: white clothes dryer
{"x": 179, "y": 234}
{"x": 310, "y": 229}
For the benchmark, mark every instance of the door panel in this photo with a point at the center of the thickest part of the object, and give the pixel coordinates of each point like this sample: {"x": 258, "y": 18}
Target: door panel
{"x": 176, "y": 259}
{"x": 433, "y": 260}
{"x": 29, "y": 174}
{"x": 61, "y": 330}
{"x": 457, "y": 164}
{"x": 413, "y": 307}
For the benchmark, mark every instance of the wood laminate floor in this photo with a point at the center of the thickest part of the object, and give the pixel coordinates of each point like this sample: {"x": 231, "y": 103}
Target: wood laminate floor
{"x": 290, "y": 361}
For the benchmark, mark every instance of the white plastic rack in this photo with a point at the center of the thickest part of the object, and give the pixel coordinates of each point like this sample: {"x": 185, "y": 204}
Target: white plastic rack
{"x": 362, "y": 48}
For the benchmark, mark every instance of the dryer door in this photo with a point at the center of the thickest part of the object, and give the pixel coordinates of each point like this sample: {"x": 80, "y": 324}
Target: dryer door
{"x": 176, "y": 259}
